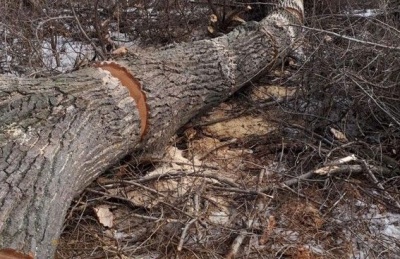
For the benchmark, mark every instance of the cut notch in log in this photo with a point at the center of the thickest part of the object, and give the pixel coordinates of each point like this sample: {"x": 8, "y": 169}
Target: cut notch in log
{"x": 135, "y": 90}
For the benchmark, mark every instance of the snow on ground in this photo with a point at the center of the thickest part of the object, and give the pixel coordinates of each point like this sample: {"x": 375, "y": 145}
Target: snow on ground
{"x": 374, "y": 232}
{"x": 68, "y": 52}
{"x": 364, "y": 13}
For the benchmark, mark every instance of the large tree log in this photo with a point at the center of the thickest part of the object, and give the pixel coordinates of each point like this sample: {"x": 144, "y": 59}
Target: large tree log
{"x": 58, "y": 134}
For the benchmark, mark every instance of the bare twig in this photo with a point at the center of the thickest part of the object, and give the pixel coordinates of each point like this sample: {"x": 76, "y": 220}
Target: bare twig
{"x": 184, "y": 174}
{"x": 236, "y": 245}
{"x": 184, "y": 233}
{"x": 130, "y": 202}
{"x": 240, "y": 238}
{"x": 243, "y": 191}
{"x": 98, "y": 51}
{"x": 40, "y": 25}
{"x": 367, "y": 168}
{"x": 143, "y": 187}
{"x": 350, "y": 38}
{"x": 97, "y": 26}
{"x": 335, "y": 204}
{"x": 327, "y": 170}
{"x": 224, "y": 144}
{"x": 380, "y": 105}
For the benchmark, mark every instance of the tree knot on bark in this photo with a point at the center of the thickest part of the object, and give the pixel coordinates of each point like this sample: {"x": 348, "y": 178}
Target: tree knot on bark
{"x": 135, "y": 90}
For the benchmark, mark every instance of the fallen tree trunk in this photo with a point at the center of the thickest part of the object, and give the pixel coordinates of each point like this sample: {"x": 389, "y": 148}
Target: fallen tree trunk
{"x": 58, "y": 134}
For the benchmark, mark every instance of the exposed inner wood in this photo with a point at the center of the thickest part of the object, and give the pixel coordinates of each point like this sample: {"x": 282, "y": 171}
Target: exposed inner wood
{"x": 8, "y": 253}
{"x": 129, "y": 81}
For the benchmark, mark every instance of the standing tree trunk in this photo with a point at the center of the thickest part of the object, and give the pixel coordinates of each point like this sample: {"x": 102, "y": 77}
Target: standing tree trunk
{"x": 58, "y": 134}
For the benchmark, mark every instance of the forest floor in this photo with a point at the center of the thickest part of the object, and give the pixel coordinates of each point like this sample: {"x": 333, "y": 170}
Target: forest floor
{"x": 246, "y": 180}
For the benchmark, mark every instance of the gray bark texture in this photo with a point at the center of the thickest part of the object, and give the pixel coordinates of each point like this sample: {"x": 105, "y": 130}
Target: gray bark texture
{"x": 58, "y": 134}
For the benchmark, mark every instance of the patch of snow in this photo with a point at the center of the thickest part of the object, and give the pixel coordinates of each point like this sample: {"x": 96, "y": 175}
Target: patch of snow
{"x": 392, "y": 231}
{"x": 360, "y": 203}
{"x": 379, "y": 234}
{"x": 364, "y": 13}
{"x": 68, "y": 53}
{"x": 121, "y": 37}
{"x": 131, "y": 10}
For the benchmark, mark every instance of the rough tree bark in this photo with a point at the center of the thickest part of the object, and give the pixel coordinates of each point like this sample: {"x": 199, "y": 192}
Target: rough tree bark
{"x": 58, "y": 134}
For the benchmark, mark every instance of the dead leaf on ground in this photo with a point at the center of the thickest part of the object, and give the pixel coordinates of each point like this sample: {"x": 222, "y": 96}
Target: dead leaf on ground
{"x": 104, "y": 215}
{"x": 339, "y": 135}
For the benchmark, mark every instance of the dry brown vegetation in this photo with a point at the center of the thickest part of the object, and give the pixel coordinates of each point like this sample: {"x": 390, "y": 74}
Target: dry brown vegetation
{"x": 302, "y": 164}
